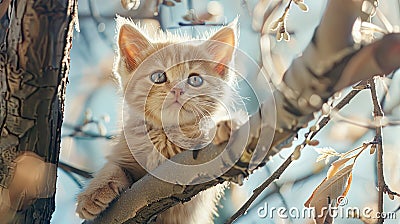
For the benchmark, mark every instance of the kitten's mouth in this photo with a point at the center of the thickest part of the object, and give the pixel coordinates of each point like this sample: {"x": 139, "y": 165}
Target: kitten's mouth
{"x": 176, "y": 104}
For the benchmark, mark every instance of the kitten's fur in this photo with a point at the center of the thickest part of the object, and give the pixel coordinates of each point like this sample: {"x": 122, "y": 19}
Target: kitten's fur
{"x": 145, "y": 129}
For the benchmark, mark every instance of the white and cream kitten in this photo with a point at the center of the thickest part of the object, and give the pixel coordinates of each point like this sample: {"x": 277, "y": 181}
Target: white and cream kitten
{"x": 170, "y": 83}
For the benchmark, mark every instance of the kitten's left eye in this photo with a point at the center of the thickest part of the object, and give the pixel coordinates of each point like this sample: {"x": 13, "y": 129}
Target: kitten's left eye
{"x": 195, "y": 80}
{"x": 158, "y": 77}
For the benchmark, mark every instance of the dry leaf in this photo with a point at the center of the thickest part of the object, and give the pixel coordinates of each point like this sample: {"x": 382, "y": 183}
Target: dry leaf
{"x": 330, "y": 190}
{"x": 372, "y": 149}
{"x": 335, "y": 166}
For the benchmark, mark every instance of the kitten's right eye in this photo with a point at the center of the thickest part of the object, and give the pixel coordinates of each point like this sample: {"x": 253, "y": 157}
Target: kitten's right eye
{"x": 158, "y": 77}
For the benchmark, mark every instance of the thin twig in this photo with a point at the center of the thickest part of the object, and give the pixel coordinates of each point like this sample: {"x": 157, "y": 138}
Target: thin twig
{"x": 338, "y": 107}
{"x": 280, "y": 195}
{"x": 390, "y": 192}
{"x": 73, "y": 178}
{"x": 387, "y": 89}
{"x": 287, "y": 8}
{"x": 378, "y": 114}
{"x": 368, "y": 124}
{"x": 293, "y": 182}
{"x": 397, "y": 209}
{"x": 87, "y": 136}
{"x": 260, "y": 189}
{"x": 78, "y": 131}
{"x": 268, "y": 13}
{"x": 71, "y": 169}
{"x": 275, "y": 175}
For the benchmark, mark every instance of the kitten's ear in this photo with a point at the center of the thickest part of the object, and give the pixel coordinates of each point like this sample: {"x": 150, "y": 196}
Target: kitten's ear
{"x": 131, "y": 44}
{"x": 222, "y": 45}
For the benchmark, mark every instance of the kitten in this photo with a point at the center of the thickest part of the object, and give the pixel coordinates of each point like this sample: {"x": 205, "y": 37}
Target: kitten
{"x": 170, "y": 85}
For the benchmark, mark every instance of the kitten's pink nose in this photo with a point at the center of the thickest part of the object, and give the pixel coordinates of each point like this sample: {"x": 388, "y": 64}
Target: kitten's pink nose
{"x": 177, "y": 92}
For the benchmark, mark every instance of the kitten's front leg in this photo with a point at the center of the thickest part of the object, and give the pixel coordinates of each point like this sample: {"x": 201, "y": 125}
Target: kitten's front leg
{"x": 104, "y": 188}
{"x": 223, "y": 131}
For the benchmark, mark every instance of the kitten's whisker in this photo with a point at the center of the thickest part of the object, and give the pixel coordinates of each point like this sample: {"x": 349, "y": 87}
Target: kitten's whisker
{"x": 204, "y": 113}
{"x": 198, "y": 113}
{"x": 209, "y": 106}
{"x": 150, "y": 110}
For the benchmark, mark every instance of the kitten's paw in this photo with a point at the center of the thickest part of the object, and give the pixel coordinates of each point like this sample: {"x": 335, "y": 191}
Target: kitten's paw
{"x": 224, "y": 131}
{"x": 91, "y": 204}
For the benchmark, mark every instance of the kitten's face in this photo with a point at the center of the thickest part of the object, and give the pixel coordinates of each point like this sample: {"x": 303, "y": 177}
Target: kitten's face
{"x": 174, "y": 83}
{"x": 187, "y": 92}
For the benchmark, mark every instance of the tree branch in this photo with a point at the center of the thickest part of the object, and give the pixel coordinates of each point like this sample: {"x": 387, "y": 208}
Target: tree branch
{"x": 330, "y": 62}
{"x": 293, "y": 156}
{"x": 378, "y": 114}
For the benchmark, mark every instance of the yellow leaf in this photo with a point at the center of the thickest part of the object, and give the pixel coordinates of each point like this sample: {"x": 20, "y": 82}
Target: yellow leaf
{"x": 335, "y": 166}
{"x": 307, "y": 203}
{"x": 348, "y": 185}
{"x": 330, "y": 190}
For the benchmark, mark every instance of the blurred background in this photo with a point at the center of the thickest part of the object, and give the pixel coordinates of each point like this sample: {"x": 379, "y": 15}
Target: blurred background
{"x": 92, "y": 102}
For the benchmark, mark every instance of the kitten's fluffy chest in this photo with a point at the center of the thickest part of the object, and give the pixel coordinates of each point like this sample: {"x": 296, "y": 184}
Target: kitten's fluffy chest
{"x": 173, "y": 140}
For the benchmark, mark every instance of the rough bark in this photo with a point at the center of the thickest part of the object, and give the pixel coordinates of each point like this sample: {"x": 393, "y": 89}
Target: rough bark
{"x": 331, "y": 62}
{"x": 34, "y": 63}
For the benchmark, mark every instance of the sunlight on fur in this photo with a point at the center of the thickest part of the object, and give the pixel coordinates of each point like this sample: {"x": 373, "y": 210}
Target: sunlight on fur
{"x": 173, "y": 87}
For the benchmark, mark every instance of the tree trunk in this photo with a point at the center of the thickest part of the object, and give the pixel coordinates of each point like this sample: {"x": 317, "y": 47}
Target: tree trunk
{"x": 34, "y": 63}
